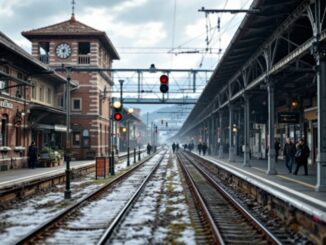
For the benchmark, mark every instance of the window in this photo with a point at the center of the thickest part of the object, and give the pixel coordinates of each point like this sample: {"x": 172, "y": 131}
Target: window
{"x": 84, "y": 48}
{"x": 4, "y": 130}
{"x": 34, "y": 92}
{"x": 49, "y": 96}
{"x": 19, "y": 89}
{"x": 4, "y": 83}
{"x": 41, "y": 93}
{"x": 76, "y": 138}
{"x": 86, "y": 138}
{"x": 60, "y": 100}
{"x": 18, "y": 136}
{"x": 76, "y": 104}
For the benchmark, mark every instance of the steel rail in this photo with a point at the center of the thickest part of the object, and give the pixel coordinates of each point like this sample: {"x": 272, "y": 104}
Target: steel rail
{"x": 258, "y": 225}
{"x": 214, "y": 229}
{"x": 41, "y": 228}
{"x": 122, "y": 214}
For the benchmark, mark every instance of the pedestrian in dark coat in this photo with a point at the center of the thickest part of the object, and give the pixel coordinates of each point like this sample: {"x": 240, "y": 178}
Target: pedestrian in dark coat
{"x": 277, "y": 147}
{"x": 301, "y": 157}
{"x": 149, "y": 148}
{"x": 204, "y": 148}
{"x": 32, "y": 155}
{"x": 177, "y": 147}
{"x": 200, "y": 147}
{"x": 288, "y": 153}
{"x": 173, "y": 147}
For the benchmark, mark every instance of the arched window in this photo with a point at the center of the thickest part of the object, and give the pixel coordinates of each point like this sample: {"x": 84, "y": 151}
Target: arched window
{"x": 4, "y": 130}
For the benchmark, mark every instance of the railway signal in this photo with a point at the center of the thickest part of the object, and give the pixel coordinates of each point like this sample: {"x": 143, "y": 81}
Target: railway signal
{"x": 117, "y": 107}
{"x": 164, "y": 80}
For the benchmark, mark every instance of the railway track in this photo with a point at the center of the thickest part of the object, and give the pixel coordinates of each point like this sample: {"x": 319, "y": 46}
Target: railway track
{"x": 87, "y": 220}
{"x": 229, "y": 222}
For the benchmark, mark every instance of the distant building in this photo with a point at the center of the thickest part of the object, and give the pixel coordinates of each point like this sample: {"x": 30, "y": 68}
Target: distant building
{"x": 75, "y": 44}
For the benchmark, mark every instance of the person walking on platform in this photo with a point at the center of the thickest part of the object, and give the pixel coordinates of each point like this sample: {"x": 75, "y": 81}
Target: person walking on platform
{"x": 301, "y": 157}
{"x": 177, "y": 147}
{"x": 173, "y": 147}
{"x": 204, "y": 148}
{"x": 149, "y": 148}
{"x": 277, "y": 148}
{"x": 200, "y": 147}
{"x": 288, "y": 153}
{"x": 191, "y": 146}
{"x": 32, "y": 155}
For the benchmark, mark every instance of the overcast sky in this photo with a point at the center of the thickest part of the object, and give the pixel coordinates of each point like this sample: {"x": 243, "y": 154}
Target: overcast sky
{"x": 143, "y": 31}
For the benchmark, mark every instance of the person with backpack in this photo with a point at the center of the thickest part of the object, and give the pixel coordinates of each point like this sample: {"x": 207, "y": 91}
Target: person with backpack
{"x": 301, "y": 157}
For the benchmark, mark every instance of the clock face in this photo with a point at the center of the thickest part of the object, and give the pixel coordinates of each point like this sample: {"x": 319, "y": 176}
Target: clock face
{"x": 63, "y": 50}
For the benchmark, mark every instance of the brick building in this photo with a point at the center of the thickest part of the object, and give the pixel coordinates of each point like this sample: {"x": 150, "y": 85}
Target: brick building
{"x": 27, "y": 90}
{"x": 77, "y": 45}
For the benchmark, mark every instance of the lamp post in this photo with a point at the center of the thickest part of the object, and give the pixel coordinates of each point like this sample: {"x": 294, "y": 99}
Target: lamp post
{"x": 67, "y": 194}
{"x": 116, "y": 105}
{"x": 130, "y": 111}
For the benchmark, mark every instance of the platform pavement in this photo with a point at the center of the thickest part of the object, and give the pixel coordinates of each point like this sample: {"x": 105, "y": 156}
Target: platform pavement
{"x": 17, "y": 176}
{"x": 299, "y": 190}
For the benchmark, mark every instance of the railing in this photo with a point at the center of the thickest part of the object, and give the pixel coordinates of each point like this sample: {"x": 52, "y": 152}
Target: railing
{"x": 44, "y": 58}
{"x": 84, "y": 59}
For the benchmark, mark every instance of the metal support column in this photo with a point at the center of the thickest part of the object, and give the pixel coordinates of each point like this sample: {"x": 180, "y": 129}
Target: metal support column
{"x": 231, "y": 146}
{"x": 320, "y": 56}
{"x": 271, "y": 150}
{"x": 246, "y": 118}
{"x": 221, "y": 147}
{"x": 128, "y": 149}
{"x": 212, "y": 145}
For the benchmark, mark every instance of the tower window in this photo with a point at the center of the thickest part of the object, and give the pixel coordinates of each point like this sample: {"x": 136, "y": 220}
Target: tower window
{"x": 84, "y": 48}
{"x": 76, "y": 104}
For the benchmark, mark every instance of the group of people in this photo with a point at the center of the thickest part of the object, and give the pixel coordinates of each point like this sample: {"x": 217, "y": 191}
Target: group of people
{"x": 175, "y": 147}
{"x": 189, "y": 146}
{"x": 294, "y": 153}
{"x": 202, "y": 148}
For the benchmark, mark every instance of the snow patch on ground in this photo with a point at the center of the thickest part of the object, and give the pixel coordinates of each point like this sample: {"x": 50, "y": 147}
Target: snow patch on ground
{"x": 25, "y": 216}
{"x": 161, "y": 214}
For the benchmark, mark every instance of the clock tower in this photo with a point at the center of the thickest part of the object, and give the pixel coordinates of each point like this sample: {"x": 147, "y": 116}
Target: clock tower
{"x": 75, "y": 44}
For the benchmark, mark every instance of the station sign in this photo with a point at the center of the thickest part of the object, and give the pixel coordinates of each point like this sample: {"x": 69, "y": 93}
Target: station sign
{"x": 6, "y": 104}
{"x": 288, "y": 117}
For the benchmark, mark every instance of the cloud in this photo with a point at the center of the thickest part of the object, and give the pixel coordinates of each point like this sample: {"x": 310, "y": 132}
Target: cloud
{"x": 132, "y": 34}
{"x": 127, "y": 5}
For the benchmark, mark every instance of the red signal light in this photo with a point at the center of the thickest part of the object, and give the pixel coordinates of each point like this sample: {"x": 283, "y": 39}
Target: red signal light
{"x": 164, "y": 79}
{"x": 117, "y": 116}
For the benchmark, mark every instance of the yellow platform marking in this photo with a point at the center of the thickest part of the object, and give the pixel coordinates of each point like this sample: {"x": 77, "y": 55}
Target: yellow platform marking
{"x": 259, "y": 169}
{"x": 288, "y": 178}
{"x": 297, "y": 181}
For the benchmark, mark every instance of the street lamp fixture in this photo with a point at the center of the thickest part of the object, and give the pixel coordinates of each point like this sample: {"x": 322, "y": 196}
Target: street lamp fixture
{"x": 124, "y": 130}
{"x": 67, "y": 193}
{"x": 117, "y": 104}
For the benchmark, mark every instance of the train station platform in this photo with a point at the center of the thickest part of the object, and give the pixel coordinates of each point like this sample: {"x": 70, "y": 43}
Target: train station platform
{"x": 15, "y": 177}
{"x": 18, "y": 176}
{"x": 296, "y": 190}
